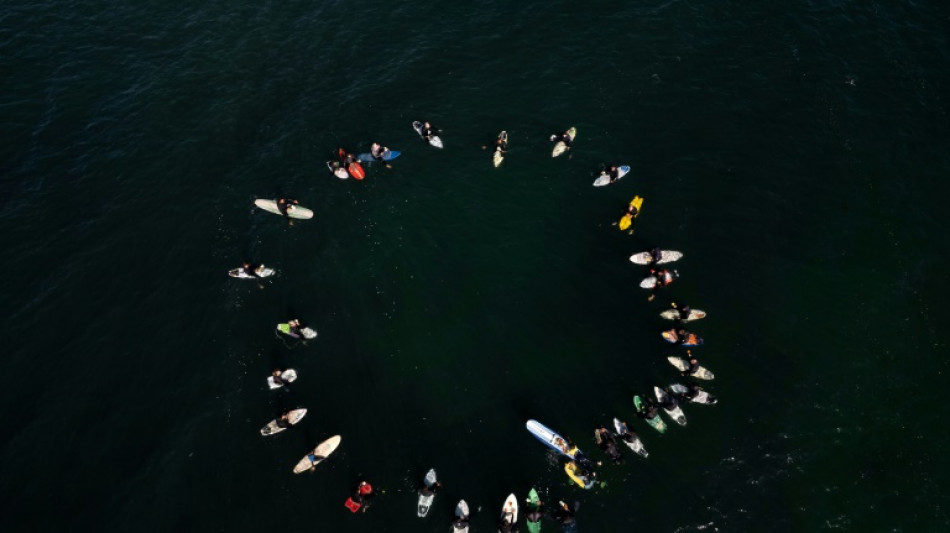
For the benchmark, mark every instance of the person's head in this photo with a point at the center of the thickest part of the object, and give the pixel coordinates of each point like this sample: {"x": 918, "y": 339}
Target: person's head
{"x": 276, "y": 372}
{"x": 427, "y": 125}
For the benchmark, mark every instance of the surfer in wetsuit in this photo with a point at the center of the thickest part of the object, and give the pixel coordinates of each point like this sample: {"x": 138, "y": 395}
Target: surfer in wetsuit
{"x": 663, "y": 278}
{"x": 283, "y": 421}
{"x": 564, "y": 137}
{"x": 669, "y": 402}
{"x": 656, "y": 255}
{"x": 296, "y": 327}
{"x": 430, "y": 490}
{"x": 693, "y": 365}
{"x": 276, "y": 376}
{"x": 564, "y": 514}
{"x": 378, "y": 151}
{"x": 428, "y": 131}
{"x": 612, "y": 172}
{"x": 632, "y": 211}
{"x": 252, "y": 270}
{"x": 628, "y": 435}
{"x": 284, "y": 205}
{"x": 605, "y": 440}
{"x": 649, "y": 410}
{"x": 683, "y": 311}
{"x": 534, "y": 515}
{"x": 460, "y": 523}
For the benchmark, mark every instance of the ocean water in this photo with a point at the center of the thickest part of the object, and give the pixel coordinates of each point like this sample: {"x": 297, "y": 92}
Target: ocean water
{"x": 796, "y": 152}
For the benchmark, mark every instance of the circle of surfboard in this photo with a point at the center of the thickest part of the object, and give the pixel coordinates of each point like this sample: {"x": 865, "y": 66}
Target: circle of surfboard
{"x": 509, "y": 510}
{"x": 321, "y": 452}
{"x": 666, "y": 256}
{"x": 634, "y": 443}
{"x": 702, "y": 397}
{"x": 674, "y": 314}
{"x": 434, "y": 140}
{"x": 308, "y": 333}
{"x": 272, "y": 428}
{"x": 691, "y": 338}
{"x": 560, "y": 147}
{"x": 287, "y": 376}
{"x": 388, "y": 155}
{"x": 550, "y": 438}
{"x": 294, "y": 211}
{"x": 626, "y": 220}
{"x": 604, "y": 178}
{"x": 425, "y": 501}
{"x": 338, "y": 171}
{"x": 682, "y": 365}
{"x": 656, "y": 422}
{"x": 241, "y": 274}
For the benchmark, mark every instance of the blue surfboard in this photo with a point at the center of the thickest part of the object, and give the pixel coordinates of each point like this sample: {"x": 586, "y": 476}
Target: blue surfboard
{"x": 388, "y": 155}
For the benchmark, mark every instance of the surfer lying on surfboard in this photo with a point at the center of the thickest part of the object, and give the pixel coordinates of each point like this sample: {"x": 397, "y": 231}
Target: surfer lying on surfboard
{"x": 284, "y": 205}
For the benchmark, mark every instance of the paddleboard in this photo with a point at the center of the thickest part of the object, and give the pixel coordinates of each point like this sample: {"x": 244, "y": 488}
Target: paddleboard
{"x": 294, "y": 211}
{"x": 388, "y": 155}
{"x": 691, "y": 338}
{"x": 560, "y": 147}
{"x": 675, "y": 413}
{"x": 272, "y": 428}
{"x": 534, "y": 503}
{"x": 632, "y": 441}
{"x": 338, "y": 171}
{"x": 627, "y": 220}
{"x": 666, "y": 256}
{"x": 288, "y": 376}
{"x": 550, "y": 438}
{"x": 498, "y": 156}
{"x": 425, "y": 501}
{"x": 321, "y": 452}
{"x": 656, "y": 422}
{"x": 241, "y": 274}
{"x": 674, "y": 314}
{"x": 434, "y": 140}
{"x": 604, "y": 178}
{"x": 682, "y": 365}
{"x": 509, "y": 511}
{"x": 460, "y": 524}
{"x": 308, "y": 333}
{"x": 702, "y": 396}
{"x": 574, "y": 473}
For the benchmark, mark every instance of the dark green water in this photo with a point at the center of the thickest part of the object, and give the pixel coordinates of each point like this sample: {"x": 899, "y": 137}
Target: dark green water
{"x": 795, "y": 152}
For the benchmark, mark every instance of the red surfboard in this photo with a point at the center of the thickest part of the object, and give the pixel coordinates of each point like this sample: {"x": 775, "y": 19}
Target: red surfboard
{"x": 356, "y": 170}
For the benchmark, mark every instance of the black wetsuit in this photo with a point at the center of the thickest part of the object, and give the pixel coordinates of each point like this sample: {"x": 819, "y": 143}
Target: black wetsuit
{"x": 283, "y": 423}
{"x": 429, "y": 132}
{"x": 692, "y": 368}
{"x": 277, "y": 380}
{"x": 460, "y": 523}
{"x": 656, "y": 255}
{"x": 684, "y": 312}
{"x": 251, "y": 271}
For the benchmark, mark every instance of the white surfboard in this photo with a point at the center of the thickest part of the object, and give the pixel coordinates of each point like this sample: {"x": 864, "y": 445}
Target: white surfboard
{"x": 702, "y": 396}
{"x": 308, "y": 333}
{"x": 272, "y": 428}
{"x": 294, "y": 211}
{"x": 241, "y": 274}
{"x": 560, "y": 147}
{"x": 509, "y": 511}
{"x": 288, "y": 376}
{"x": 425, "y": 501}
{"x": 674, "y": 314}
{"x": 339, "y": 172}
{"x": 632, "y": 441}
{"x": 666, "y": 256}
{"x": 498, "y": 156}
{"x": 675, "y": 413}
{"x": 682, "y": 364}
{"x": 648, "y": 283}
{"x": 460, "y": 525}
{"x": 321, "y": 452}
{"x": 434, "y": 140}
{"x": 604, "y": 178}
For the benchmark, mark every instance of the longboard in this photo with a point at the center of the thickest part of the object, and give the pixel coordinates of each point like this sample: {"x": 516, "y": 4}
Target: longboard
{"x": 674, "y": 314}
{"x": 702, "y": 396}
{"x": 294, "y": 211}
{"x": 551, "y": 439}
{"x": 425, "y": 501}
{"x": 388, "y": 155}
{"x": 656, "y": 422}
{"x": 321, "y": 452}
{"x": 634, "y": 442}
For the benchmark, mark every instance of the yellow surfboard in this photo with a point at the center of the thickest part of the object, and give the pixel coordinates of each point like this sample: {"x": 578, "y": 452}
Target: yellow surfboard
{"x": 572, "y": 473}
{"x": 626, "y": 220}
